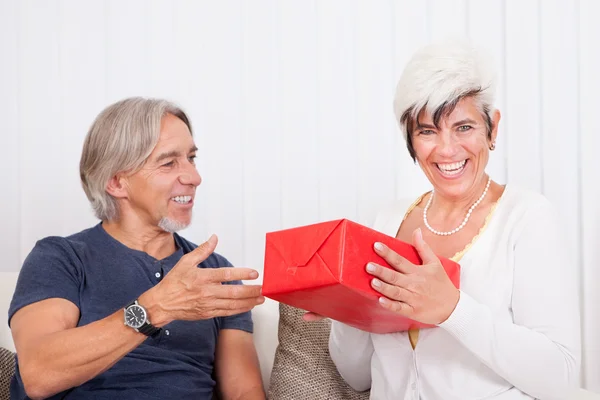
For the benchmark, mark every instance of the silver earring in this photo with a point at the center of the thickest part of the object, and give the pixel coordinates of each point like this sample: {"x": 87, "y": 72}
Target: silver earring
{"x": 493, "y": 146}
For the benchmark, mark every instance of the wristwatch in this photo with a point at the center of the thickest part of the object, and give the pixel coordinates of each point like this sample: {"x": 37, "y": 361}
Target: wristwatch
{"x": 136, "y": 317}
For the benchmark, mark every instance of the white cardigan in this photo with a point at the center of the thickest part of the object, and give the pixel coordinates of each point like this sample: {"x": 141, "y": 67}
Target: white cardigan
{"x": 515, "y": 333}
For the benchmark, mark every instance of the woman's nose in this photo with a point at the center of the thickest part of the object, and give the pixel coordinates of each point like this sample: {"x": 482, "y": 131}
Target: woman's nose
{"x": 447, "y": 144}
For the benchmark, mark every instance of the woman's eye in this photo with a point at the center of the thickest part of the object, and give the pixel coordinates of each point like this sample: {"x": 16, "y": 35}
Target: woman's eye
{"x": 464, "y": 128}
{"x": 169, "y": 164}
{"x": 192, "y": 159}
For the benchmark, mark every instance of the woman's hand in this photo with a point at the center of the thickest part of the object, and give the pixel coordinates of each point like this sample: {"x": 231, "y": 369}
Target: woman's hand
{"x": 312, "y": 317}
{"x": 423, "y": 293}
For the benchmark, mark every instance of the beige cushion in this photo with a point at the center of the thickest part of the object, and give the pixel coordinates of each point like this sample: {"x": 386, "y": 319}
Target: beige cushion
{"x": 7, "y": 370}
{"x": 302, "y": 368}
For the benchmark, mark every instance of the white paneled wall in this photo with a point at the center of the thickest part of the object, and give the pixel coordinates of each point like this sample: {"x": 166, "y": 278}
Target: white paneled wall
{"x": 291, "y": 102}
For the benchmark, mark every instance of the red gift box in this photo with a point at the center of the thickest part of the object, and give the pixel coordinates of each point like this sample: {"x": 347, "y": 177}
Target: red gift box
{"x": 321, "y": 268}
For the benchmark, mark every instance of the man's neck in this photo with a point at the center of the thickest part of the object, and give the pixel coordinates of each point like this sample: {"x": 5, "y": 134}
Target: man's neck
{"x": 149, "y": 239}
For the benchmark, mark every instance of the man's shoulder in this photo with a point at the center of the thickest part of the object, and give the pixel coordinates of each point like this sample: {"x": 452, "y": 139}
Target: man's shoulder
{"x": 215, "y": 260}
{"x": 74, "y": 243}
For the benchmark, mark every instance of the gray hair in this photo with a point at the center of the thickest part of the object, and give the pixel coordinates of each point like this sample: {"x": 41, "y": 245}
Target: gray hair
{"x": 437, "y": 77}
{"x": 121, "y": 138}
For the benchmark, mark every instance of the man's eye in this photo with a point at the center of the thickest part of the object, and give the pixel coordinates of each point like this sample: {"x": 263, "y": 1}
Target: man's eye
{"x": 464, "y": 128}
{"x": 192, "y": 159}
{"x": 169, "y": 164}
{"x": 426, "y": 132}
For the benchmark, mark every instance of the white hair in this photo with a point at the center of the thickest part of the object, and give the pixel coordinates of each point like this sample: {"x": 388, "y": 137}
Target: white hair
{"x": 121, "y": 138}
{"x": 171, "y": 225}
{"x": 438, "y": 76}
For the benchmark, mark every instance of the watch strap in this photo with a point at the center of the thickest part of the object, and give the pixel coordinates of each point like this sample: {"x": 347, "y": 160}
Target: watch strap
{"x": 149, "y": 330}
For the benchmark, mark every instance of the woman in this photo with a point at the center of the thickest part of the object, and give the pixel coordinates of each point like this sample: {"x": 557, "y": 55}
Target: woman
{"x": 512, "y": 330}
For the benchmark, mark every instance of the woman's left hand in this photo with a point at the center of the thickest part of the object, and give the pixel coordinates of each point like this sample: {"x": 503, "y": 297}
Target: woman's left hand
{"x": 423, "y": 293}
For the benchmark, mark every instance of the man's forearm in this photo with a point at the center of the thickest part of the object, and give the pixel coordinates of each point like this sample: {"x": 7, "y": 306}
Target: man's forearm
{"x": 69, "y": 358}
{"x": 254, "y": 393}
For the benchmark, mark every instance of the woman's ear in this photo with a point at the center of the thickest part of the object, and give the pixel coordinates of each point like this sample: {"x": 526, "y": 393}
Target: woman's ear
{"x": 495, "y": 122}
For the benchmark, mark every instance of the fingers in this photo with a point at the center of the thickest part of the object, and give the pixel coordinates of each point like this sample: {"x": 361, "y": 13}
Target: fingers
{"x": 202, "y": 252}
{"x": 225, "y": 308}
{"x": 312, "y": 317}
{"x": 392, "y": 292}
{"x": 394, "y": 259}
{"x": 395, "y": 288}
{"x": 425, "y": 252}
{"x": 235, "y": 292}
{"x": 397, "y": 307}
{"x": 387, "y": 275}
{"x": 237, "y": 304}
{"x": 226, "y": 274}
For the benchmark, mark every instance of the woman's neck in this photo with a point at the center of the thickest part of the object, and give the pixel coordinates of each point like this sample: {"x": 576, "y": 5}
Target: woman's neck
{"x": 450, "y": 207}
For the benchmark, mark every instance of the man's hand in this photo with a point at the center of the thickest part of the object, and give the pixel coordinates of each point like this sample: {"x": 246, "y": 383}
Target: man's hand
{"x": 191, "y": 293}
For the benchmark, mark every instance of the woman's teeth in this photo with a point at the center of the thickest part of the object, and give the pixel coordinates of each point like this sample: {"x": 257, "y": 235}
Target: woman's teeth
{"x": 452, "y": 168}
{"x": 182, "y": 199}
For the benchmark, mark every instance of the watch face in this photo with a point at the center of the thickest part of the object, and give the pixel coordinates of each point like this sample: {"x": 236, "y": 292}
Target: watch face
{"x": 135, "y": 316}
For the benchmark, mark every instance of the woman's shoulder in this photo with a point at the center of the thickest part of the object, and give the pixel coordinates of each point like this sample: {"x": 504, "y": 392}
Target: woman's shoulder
{"x": 391, "y": 214}
{"x": 523, "y": 200}
{"x": 521, "y": 207}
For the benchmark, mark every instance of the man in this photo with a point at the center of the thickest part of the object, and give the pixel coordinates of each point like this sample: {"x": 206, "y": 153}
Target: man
{"x": 128, "y": 309}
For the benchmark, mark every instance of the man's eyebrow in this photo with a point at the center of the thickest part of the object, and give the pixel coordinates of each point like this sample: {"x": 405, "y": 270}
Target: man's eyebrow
{"x": 168, "y": 154}
{"x": 174, "y": 154}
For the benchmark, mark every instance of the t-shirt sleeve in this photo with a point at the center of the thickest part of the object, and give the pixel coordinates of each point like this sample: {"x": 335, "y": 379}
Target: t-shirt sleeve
{"x": 51, "y": 270}
{"x": 241, "y": 321}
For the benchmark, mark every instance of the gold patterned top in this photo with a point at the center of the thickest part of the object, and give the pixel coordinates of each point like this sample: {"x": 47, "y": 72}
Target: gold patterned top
{"x": 413, "y": 334}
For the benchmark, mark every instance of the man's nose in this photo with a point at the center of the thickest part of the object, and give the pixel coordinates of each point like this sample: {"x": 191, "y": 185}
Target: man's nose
{"x": 190, "y": 176}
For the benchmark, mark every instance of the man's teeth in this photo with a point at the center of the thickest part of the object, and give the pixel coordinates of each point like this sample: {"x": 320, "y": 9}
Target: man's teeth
{"x": 452, "y": 168}
{"x": 182, "y": 199}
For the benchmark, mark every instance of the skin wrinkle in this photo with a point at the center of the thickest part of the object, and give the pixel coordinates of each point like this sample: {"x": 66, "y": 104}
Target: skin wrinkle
{"x": 145, "y": 195}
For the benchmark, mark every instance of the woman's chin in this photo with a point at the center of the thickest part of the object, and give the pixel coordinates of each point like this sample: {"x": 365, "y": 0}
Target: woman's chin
{"x": 456, "y": 186}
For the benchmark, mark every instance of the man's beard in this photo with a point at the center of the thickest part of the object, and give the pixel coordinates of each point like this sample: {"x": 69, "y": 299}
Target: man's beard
{"x": 172, "y": 226}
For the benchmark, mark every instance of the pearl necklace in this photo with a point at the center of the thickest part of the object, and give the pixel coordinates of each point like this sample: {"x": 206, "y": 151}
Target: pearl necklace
{"x": 462, "y": 225}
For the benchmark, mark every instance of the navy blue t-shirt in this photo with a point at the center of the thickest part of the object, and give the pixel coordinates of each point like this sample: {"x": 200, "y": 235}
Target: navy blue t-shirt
{"x": 100, "y": 275}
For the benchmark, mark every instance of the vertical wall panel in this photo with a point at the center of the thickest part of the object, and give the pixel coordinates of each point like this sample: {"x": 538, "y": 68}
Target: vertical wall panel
{"x": 560, "y": 148}
{"x": 162, "y": 69}
{"x": 82, "y": 80}
{"x": 589, "y": 143}
{"x": 486, "y": 24}
{"x": 9, "y": 115}
{"x": 126, "y": 27}
{"x": 298, "y": 88}
{"x": 447, "y": 19}
{"x": 521, "y": 119}
{"x": 40, "y": 129}
{"x": 373, "y": 77}
{"x": 336, "y": 109}
{"x": 261, "y": 138}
